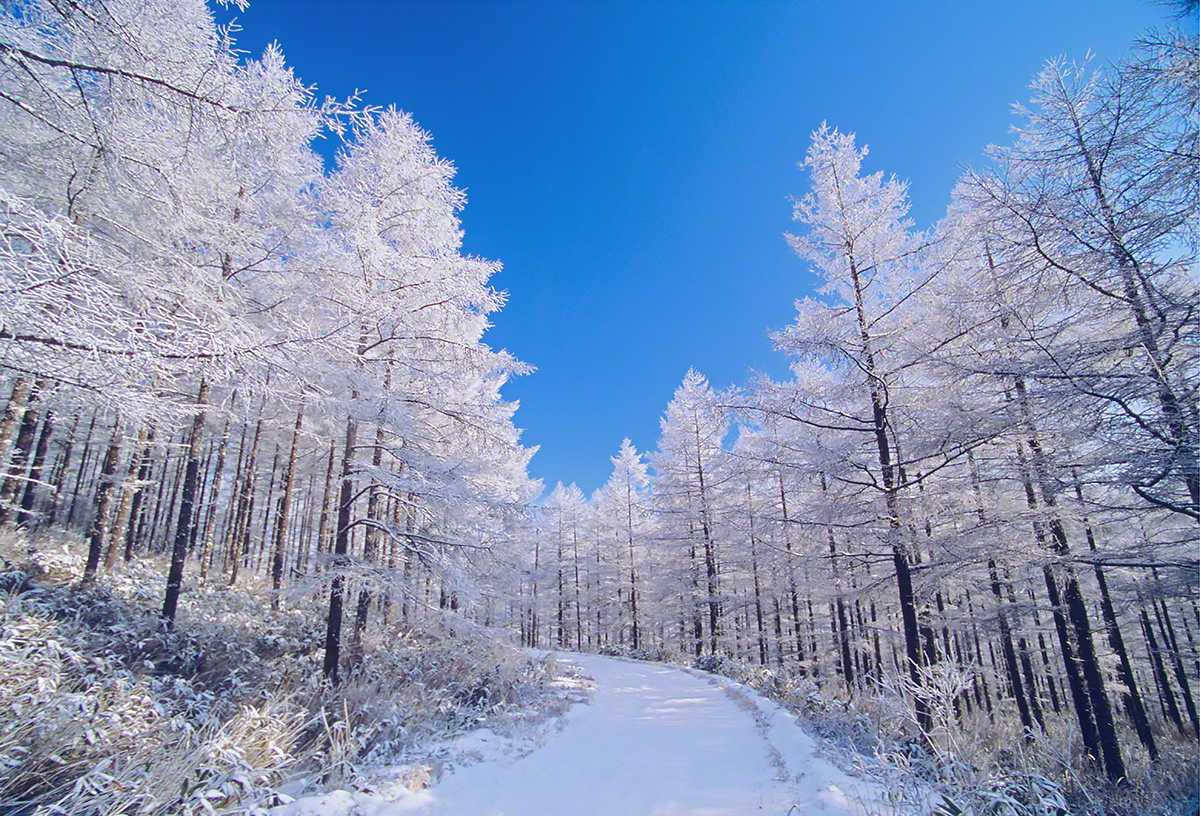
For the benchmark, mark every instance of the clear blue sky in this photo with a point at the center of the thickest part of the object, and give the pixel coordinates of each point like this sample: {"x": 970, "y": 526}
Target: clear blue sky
{"x": 631, "y": 163}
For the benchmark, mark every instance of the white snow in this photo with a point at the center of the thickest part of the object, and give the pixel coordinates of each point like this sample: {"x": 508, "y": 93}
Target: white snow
{"x": 655, "y": 740}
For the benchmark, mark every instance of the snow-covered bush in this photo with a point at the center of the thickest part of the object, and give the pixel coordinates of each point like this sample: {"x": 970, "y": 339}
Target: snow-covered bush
{"x": 721, "y": 664}
{"x": 653, "y": 654}
{"x": 103, "y": 709}
{"x": 969, "y": 764}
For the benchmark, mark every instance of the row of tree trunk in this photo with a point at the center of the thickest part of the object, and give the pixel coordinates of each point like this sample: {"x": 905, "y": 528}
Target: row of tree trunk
{"x": 208, "y": 496}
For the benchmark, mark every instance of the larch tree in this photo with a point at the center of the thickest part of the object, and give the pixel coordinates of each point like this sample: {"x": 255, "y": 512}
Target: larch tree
{"x": 621, "y": 513}
{"x": 859, "y": 240}
{"x": 688, "y": 480}
{"x": 1096, "y": 200}
{"x": 405, "y": 315}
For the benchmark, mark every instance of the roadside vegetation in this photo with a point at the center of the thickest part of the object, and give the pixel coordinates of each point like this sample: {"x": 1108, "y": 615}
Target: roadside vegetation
{"x": 106, "y": 710}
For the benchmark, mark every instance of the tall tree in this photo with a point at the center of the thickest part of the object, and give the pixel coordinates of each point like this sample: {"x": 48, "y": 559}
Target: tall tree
{"x": 688, "y": 480}
{"x": 1096, "y": 201}
{"x": 859, "y": 240}
{"x": 621, "y": 509}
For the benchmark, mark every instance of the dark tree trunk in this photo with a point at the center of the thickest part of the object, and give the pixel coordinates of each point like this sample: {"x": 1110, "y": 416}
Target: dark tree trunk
{"x": 285, "y": 507}
{"x": 371, "y": 539}
{"x": 99, "y": 530}
{"x": 1172, "y": 644}
{"x": 170, "y": 515}
{"x": 266, "y": 518}
{"x": 1010, "y": 655}
{"x": 900, "y": 556}
{"x": 240, "y": 542}
{"x": 25, "y": 515}
{"x": 1071, "y": 662}
{"x": 341, "y": 546}
{"x": 210, "y": 525}
{"x": 1006, "y": 641}
{"x": 187, "y": 505}
{"x": 635, "y": 634}
{"x": 83, "y": 466}
{"x": 758, "y": 607}
{"x": 22, "y": 451}
{"x": 58, "y": 478}
{"x": 139, "y": 495}
{"x": 578, "y": 605}
{"x": 1106, "y": 731}
{"x": 1132, "y": 699}
{"x": 326, "y": 503}
{"x": 793, "y": 595}
{"x": 117, "y": 535}
{"x": 14, "y": 411}
{"x": 151, "y": 520}
{"x": 1166, "y": 695}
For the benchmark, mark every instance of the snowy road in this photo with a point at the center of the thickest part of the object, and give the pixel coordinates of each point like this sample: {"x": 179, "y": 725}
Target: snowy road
{"x": 655, "y": 740}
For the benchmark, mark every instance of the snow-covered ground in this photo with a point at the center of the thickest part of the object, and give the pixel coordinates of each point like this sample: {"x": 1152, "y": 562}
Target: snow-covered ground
{"x": 654, "y": 739}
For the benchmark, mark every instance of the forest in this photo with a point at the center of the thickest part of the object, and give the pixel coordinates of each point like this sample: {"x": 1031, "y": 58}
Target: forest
{"x": 260, "y": 488}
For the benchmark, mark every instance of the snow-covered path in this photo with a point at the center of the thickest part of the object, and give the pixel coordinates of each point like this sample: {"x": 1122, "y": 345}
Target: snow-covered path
{"x": 659, "y": 740}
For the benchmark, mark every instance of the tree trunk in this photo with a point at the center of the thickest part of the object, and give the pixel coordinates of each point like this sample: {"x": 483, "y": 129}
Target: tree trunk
{"x": 58, "y": 478}
{"x": 22, "y": 450}
{"x": 14, "y": 411}
{"x": 758, "y": 606}
{"x": 635, "y": 634}
{"x": 25, "y": 515}
{"x": 238, "y": 547}
{"x": 578, "y": 594}
{"x": 83, "y": 465}
{"x": 1106, "y": 732}
{"x": 710, "y": 556}
{"x": 139, "y": 494}
{"x": 793, "y": 595}
{"x": 333, "y": 628}
{"x": 1132, "y": 699}
{"x": 1172, "y": 645}
{"x": 117, "y": 535}
{"x": 170, "y": 515}
{"x": 371, "y": 538}
{"x": 837, "y": 612}
{"x": 164, "y": 467}
{"x": 266, "y": 518}
{"x": 1166, "y": 695}
{"x": 908, "y": 608}
{"x": 210, "y": 525}
{"x": 1006, "y": 641}
{"x": 99, "y": 530}
{"x": 285, "y": 507}
{"x": 187, "y": 504}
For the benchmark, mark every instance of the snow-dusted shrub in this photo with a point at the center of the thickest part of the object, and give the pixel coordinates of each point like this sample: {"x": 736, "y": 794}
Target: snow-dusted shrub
{"x": 656, "y": 654}
{"x": 90, "y": 722}
{"x": 971, "y": 764}
{"x": 105, "y": 710}
{"x": 722, "y": 664}
{"x": 421, "y": 688}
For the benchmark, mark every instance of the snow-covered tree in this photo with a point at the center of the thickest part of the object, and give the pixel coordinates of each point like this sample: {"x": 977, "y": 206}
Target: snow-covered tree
{"x": 859, "y": 240}
{"x": 688, "y": 480}
{"x": 405, "y": 312}
{"x": 621, "y": 508}
{"x": 1090, "y": 217}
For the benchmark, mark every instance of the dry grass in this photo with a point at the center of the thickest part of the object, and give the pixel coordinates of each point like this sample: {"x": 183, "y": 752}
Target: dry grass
{"x": 980, "y": 764}
{"x": 103, "y": 710}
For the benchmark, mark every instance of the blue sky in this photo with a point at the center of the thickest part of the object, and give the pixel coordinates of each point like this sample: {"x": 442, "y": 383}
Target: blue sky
{"x": 631, "y": 163}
